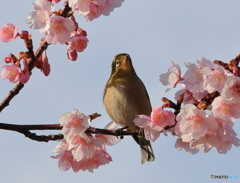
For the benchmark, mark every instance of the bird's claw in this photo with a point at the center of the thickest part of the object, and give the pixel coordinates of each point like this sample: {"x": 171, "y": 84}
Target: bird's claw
{"x": 119, "y": 131}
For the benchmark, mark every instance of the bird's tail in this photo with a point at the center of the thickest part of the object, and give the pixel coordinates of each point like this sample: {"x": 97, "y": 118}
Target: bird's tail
{"x": 146, "y": 148}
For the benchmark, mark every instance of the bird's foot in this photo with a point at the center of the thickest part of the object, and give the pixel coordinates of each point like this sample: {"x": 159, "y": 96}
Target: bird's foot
{"x": 119, "y": 131}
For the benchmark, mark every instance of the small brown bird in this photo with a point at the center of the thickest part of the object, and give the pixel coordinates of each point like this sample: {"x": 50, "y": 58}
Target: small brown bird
{"x": 125, "y": 96}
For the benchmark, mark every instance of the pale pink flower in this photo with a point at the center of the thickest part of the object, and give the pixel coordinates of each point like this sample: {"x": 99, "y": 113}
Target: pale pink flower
{"x": 39, "y": 19}
{"x": 92, "y": 9}
{"x": 109, "y": 140}
{"x": 231, "y": 89}
{"x": 59, "y": 30}
{"x": 11, "y": 72}
{"x": 155, "y": 124}
{"x": 203, "y": 62}
{"x": 77, "y": 43}
{"x": 80, "y": 6}
{"x": 227, "y": 135}
{"x": 194, "y": 123}
{"x": 109, "y": 6}
{"x": 8, "y": 33}
{"x": 224, "y": 108}
{"x": 83, "y": 146}
{"x": 179, "y": 145}
{"x": 99, "y": 158}
{"x": 93, "y": 13}
{"x": 74, "y": 122}
{"x": 172, "y": 77}
{"x": 193, "y": 78}
{"x": 65, "y": 161}
{"x": 215, "y": 78}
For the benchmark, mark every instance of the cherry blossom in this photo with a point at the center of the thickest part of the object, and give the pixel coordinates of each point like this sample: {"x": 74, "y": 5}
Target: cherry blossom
{"x": 8, "y": 33}
{"x": 59, "y": 30}
{"x": 109, "y": 139}
{"x": 155, "y": 124}
{"x": 179, "y": 145}
{"x": 11, "y": 72}
{"x": 172, "y": 77}
{"x": 231, "y": 89}
{"x": 99, "y": 158}
{"x": 194, "y": 123}
{"x": 39, "y": 19}
{"x": 92, "y": 9}
{"x": 215, "y": 78}
{"x": 74, "y": 122}
{"x": 83, "y": 146}
{"x": 224, "y": 108}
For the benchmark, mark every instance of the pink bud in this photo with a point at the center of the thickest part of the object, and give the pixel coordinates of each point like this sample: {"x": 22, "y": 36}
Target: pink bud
{"x": 45, "y": 65}
{"x": 24, "y": 34}
{"x": 72, "y": 55}
{"x": 25, "y": 74}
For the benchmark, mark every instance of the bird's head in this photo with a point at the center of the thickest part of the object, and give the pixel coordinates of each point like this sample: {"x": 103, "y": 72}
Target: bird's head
{"x": 122, "y": 66}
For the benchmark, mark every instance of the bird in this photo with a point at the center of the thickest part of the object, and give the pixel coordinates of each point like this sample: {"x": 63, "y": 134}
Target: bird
{"x": 125, "y": 96}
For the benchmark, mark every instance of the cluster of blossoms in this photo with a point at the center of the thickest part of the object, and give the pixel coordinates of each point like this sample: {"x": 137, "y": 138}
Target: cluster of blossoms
{"x": 92, "y": 9}
{"x": 203, "y": 121}
{"x": 57, "y": 28}
{"x": 81, "y": 151}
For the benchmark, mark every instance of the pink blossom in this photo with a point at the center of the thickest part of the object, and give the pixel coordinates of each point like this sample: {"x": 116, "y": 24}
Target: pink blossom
{"x": 59, "y": 30}
{"x": 155, "y": 124}
{"x": 83, "y": 146}
{"x": 109, "y": 6}
{"x": 109, "y": 139}
{"x": 8, "y": 33}
{"x": 93, "y": 13}
{"x": 77, "y": 42}
{"x": 231, "y": 89}
{"x": 208, "y": 141}
{"x": 193, "y": 123}
{"x": 99, "y": 158}
{"x": 172, "y": 77}
{"x": 227, "y": 135}
{"x": 92, "y": 9}
{"x": 214, "y": 78}
{"x": 224, "y": 108}
{"x": 11, "y": 72}
{"x": 66, "y": 160}
{"x": 39, "y": 19}
{"x": 179, "y": 145}
{"x": 80, "y": 6}
{"x": 74, "y": 122}
{"x": 193, "y": 78}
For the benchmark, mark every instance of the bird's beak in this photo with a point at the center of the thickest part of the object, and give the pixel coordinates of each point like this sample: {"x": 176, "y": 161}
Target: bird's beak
{"x": 126, "y": 63}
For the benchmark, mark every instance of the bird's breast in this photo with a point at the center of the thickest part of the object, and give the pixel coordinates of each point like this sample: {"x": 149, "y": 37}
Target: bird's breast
{"x": 124, "y": 100}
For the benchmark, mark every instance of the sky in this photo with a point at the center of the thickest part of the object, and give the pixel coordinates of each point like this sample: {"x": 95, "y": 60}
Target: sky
{"x": 153, "y": 33}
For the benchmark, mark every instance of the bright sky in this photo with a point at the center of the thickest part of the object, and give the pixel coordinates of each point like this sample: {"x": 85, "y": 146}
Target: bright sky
{"x": 153, "y": 33}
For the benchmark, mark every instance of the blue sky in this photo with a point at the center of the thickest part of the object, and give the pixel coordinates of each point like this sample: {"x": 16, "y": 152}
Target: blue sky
{"x": 153, "y": 33}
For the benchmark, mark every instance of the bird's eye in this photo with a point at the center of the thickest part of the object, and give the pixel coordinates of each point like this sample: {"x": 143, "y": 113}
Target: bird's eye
{"x": 117, "y": 63}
